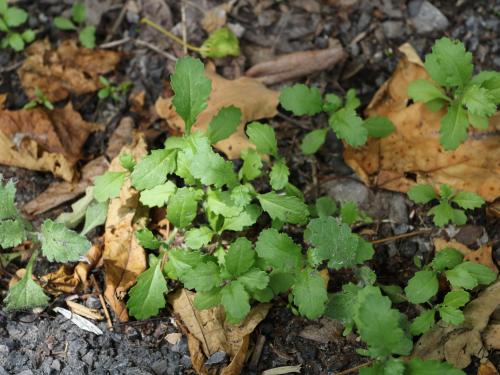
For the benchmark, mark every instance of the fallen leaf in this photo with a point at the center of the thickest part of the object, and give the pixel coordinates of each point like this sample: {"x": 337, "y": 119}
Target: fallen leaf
{"x": 123, "y": 258}
{"x": 487, "y": 368}
{"x": 413, "y": 150}
{"x": 123, "y": 135}
{"x": 79, "y": 321}
{"x": 84, "y": 311}
{"x": 483, "y": 255}
{"x": 61, "y": 281}
{"x": 253, "y": 99}
{"x": 492, "y": 337}
{"x": 67, "y": 69}
{"x": 282, "y": 370}
{"x": 210, "y": 333}
{"x": 297, "y": 64}
{"x": 457, "y": 344}
{"x": 216, "y": 17}
{"x": 60, "y": 192}
{"x": 43, "y": 140}
{"x": 72, "y": 279}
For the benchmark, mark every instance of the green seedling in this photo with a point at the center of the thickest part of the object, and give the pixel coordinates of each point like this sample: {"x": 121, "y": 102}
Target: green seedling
{"x": 86, "y": 34}
{"x": 467, "y": 99}
{"x": 445, "y": 212}
{"x": 12, "y": 18}
{"x": 39, "y": 100}
{"x": 112, "y": 91}
{"x": 344, "y": 121}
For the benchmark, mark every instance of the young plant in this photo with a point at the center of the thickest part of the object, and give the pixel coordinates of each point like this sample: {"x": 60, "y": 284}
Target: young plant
{"x": 467, "y": 99}
{"x": 10, "y": 19}
{"x": 462, "y": 276}
{"x": 86, "y": 34}
{"x": 40, "y": 99}
{"x": 220, "y": 43}
{"x": 444, "y": 212}
{"x": 343, "y": 119}
{"x": 55, "y": 241}
{"x": 112, "y": 91}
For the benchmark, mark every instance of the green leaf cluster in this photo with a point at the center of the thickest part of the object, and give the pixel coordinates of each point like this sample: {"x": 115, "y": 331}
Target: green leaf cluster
{"x": 86, "y": 33}
{"x": 343, "y": 119}
{"x": 445, "y": 212}
{"x": 468, "y": 100}
{"x": 40, "y": 100}
{"x": 462, "y": 276}
{"x": 12, "y": 17}
{"x": 113, "y": 91}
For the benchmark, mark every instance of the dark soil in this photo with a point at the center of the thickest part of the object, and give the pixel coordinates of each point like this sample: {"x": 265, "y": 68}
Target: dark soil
{"x": 371, "y": 31}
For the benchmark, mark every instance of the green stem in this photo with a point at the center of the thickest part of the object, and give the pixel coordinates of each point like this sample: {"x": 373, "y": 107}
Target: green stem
{"x": 168, "y": 34}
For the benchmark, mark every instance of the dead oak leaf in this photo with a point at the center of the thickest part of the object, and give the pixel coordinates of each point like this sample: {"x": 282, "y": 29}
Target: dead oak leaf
{"x": 123, "y": 258}
{"x": 210, "y": 333}
{"x": 414, "y": 148}
{"x": 43, "y": 140}
{"x": 67, "y": 69}
{"x": 254, "y": 100}
{"x": 483, "y": 255}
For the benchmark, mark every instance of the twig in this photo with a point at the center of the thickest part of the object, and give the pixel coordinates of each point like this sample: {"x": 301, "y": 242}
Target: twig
{"x": 168, "y": 34}
{"x": 259, "y": 345}
{"x": 184, "y": 27}
{"x": 400, "y": 236}
{"x": 11, "y": 67}
{"x": 115, "y": 43}
{"x": 353, "y": 369}
{"x": 103, "y": 303}
{"x": 152, "y": 47}
{"x": 118, "y": 21}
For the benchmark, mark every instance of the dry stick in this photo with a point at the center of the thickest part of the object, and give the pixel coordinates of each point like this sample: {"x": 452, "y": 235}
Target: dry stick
{"x": 259, "y": 345}
{"x": 118, "y": 21}
{"x": 399, "y": 236}
{"x": 170, "y": 35}
{"x": 115, "y": 43}
{"x": 103, "y": 303}
{"x": 152, "y": 47}
{"x": 353, "y": 369}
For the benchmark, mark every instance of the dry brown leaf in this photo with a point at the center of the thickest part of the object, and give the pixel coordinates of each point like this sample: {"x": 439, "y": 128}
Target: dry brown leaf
{"x": 84, "y": 311}
{"x": 123, "y": 258}
{"x": 457, "y": 344}
{"x": 210, "y": 333}
{"x": 44, "y": 140}
{"x": 60, "y": 192}
{"x": 414, "y": 148}
{"x": 61, "y": 281}
{"x": 487, "y": 368}
{"x": 492, "y": 337}
{"x": 252, "y": 97}
{"x": 92, "y": 260}
{"x": 297, "y": 64}
{"x": 71, "y": 279}
{"x": 123, "y": 135}
{"x": 216, "y": 17}
{"x": 483, "y": 255}
{"x": 69, "y": 69}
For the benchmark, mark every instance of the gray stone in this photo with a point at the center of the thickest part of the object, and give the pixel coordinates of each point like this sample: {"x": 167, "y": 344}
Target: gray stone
{"x": 216, "y": 358}
{"x": 160, "y": 367}
{"x": 426, "y": 17}
{"x": 4, "y": 353}
{"x": 380, "y": 205}
{"x": 2, "y": 371}
{"x": 393, "y": 29}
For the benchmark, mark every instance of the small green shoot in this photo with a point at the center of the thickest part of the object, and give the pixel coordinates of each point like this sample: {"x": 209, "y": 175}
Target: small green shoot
{"x": 467, "y": 99}
{"x": 12, "y": 18}
{"x": 86, "y": 34}
{"x": 39, "y": 100}
{"x": 444, "y": 212}
{"x": 110, "y": 90}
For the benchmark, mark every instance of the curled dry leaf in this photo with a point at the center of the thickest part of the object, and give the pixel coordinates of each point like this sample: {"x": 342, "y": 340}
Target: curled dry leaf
{"x": 414, "y": 148}
{"x": 44, "y": 140}
{"x": 68, "y": 279}
{"x": 209, "y": 333}
{"x": 483, "y": 255}
{"x": 123, "y": 135}
{"x": 487, "y": 368}
{"x": 457, "y": 344}
{"x": 67, "y": 69}
{"x": 123, "y": 258}
{"x": 216, "y": 17}
{"x": 297, "y": 64}
{"x": 253, "y": 99}
{"x": 59, "y": 192}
